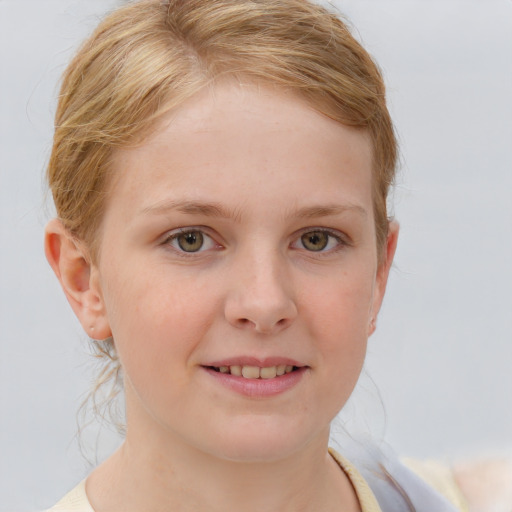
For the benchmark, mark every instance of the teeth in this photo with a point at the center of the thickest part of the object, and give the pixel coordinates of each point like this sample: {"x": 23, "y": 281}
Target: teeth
{"x": 236, "y": 370}
{"x": 255, "y": 372}
{"x": 250, "y": 372}
{"x": 268, "y": 373}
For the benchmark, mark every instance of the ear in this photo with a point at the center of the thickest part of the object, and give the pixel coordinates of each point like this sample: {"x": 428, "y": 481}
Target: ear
{"x": 78, "y": 277}
{"x": 383, "y": 274}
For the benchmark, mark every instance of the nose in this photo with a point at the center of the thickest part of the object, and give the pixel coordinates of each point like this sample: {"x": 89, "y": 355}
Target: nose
{"x": 261, "y": 298}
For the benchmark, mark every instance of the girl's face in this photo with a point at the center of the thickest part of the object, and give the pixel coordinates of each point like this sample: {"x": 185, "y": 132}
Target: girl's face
{"x": 239, "y": 239}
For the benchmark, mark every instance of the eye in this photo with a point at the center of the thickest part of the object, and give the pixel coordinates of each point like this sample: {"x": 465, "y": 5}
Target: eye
{"x": 318, "y": 240}
{"x": 190, "y": 241}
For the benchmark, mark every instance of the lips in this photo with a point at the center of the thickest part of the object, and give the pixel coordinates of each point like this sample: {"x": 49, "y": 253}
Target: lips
{"x": 256, "y": 378}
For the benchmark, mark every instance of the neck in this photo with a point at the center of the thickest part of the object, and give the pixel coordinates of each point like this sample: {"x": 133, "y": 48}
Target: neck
{"x": 157, "y": 469}
{"x": 143, "y": 476}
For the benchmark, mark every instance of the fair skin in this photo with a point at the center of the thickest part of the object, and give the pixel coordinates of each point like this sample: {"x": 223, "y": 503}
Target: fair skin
{"x": 240, "y": 233}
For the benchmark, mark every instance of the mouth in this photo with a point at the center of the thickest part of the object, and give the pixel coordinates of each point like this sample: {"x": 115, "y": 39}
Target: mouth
{"x": 255, "y": 372}
{"x": 256, "y": 378}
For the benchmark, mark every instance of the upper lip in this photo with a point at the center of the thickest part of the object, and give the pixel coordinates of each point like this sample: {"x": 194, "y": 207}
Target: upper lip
{"x": 254, "y": 361}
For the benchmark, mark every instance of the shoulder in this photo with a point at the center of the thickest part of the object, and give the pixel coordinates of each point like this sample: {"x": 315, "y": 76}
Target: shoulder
{"x": 75, "y": 501}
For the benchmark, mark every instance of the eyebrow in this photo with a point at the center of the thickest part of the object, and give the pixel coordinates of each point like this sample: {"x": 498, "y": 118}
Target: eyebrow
{"x": 310, "y": 212}
{"x": 192, "y": 208}
{"x": 218, "y": 210}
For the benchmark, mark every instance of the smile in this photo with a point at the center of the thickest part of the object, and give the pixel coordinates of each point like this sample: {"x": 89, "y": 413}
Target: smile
{"x": 255, "y": 372}
{"x": 257, "y": 378}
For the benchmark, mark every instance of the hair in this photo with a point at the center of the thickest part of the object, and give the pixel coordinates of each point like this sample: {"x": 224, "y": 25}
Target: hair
{"x": 149, "y": 56}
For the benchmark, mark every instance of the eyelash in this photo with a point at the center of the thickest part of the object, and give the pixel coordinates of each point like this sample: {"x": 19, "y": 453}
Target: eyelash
{"x": 172, "y": 238}
{"x": 340, "y": 241}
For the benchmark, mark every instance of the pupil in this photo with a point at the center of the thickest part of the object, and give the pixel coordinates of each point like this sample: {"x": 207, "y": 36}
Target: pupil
{"x": 190, "y": 242}
{"x": 315, "y": 241}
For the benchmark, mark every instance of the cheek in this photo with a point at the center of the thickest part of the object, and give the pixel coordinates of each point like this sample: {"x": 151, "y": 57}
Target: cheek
{"x": 339, "y": 310}
{"x": 338, "y": 317}
{"x": 156, "y": 323}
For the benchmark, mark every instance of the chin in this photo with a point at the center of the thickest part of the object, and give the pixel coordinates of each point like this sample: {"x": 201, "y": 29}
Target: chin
{"x": 263, "y": 440}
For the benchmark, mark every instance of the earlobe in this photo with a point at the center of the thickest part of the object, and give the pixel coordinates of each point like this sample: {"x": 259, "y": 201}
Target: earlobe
{"x": 383, "y": 274}
{"x": 77, "y": 276}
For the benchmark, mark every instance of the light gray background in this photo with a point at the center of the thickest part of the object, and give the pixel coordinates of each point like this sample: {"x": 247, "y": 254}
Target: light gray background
{"x": 442, "y": 356}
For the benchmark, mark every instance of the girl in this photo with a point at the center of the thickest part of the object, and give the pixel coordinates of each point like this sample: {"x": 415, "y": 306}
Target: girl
{"x": 220, "y": 171}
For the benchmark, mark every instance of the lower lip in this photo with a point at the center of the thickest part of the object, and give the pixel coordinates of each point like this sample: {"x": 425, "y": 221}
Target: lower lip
{"x": 258, "y": 388}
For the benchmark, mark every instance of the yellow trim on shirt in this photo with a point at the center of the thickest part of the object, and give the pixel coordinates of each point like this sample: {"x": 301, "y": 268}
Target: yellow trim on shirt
{"x": 366, "y": 498}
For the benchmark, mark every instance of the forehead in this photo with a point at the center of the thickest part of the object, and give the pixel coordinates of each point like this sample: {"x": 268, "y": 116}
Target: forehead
{"x": 243, "y": 135}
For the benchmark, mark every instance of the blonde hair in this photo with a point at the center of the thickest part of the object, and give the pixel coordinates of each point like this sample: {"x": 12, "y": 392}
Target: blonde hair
{"x": 150, "y": 56}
